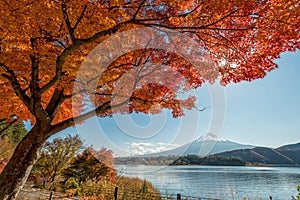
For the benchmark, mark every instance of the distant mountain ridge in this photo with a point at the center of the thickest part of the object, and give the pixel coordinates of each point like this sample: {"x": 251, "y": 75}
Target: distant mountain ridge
{"x": 290, "y": 147}
{"x": 207, "y": 144}
{"x": 284, "y": 155}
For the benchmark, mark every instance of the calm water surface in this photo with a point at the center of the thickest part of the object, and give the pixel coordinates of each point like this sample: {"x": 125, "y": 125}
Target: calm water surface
{"x": 218, "y": 181}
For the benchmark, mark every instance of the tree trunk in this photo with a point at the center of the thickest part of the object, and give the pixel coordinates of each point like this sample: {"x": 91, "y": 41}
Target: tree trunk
{"x": 16, "y": 172}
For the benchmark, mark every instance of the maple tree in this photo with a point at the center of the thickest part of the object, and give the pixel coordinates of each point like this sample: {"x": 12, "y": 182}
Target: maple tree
{"x": 43, "y": 43}
{"x": 103, "y": 155}
{"x": 87, "y": 167}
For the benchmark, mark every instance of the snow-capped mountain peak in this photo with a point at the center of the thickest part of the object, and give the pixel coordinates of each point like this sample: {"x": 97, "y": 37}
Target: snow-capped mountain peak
{"x": 210, "y": 137}
{"x": 207, "y": 144}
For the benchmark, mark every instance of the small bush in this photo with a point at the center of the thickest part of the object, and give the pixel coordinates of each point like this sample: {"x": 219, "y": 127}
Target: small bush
{"x": 72, "y": 188}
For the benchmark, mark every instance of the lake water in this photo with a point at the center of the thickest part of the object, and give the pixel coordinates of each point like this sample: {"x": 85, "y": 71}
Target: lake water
{"x": 218, "y": 181}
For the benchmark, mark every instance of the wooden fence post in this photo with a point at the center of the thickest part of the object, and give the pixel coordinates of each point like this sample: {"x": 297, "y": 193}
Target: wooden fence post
{"x": 178, "y": 196}
{"x": 116, "y": 193}
{"x": 50, "y": 197}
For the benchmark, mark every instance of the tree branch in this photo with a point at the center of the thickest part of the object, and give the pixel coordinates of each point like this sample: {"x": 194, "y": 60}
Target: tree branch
{"x": 55, "y": 100}
{"x": 71, "y": 121}
{"x": 12, "y": 78}
{"x": 192, "y": 27}
{"x": 207, "y": 26}
{"x": 60, "y": 60}
{"x": 80, "y": 17}
{"x": 34, "y": 83}
{"x": 67, "y": 51}
{"x": 138, "y": 9}
{"x": 51, "y": 108}
{"x": 221, "y": 19}
{"x": 100, "y": 34}
{"x": 168, "y": 17}
{"x": 67, "y": 21}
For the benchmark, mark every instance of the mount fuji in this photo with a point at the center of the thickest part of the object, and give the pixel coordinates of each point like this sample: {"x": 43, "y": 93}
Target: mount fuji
{"x": 207, "y": 144}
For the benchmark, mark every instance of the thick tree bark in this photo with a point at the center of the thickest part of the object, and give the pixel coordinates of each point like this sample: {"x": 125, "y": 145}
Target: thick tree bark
{"x": 15, "y": 174}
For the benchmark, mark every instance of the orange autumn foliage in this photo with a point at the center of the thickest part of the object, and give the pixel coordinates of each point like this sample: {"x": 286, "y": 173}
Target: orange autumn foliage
{"x": 43, "y": 44}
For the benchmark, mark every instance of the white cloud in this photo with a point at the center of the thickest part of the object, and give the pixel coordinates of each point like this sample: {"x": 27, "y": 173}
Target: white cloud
{"x": 141, "y": 148}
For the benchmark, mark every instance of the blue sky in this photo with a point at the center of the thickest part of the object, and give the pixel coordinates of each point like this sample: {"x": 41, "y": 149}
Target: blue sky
{"x": 264, "y": 112}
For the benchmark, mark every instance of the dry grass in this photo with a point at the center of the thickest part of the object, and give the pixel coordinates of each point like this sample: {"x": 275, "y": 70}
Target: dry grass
{"x": 32, "y": 194}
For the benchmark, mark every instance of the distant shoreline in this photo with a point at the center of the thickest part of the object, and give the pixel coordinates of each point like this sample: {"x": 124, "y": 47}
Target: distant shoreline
{"x": 193, "y": 160}
{"x": 250, "y": 165}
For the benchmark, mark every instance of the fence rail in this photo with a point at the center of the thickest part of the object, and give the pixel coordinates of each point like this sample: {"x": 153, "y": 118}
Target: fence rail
{"x": 123, "y": 194}
{"x": 109, "y": 194}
